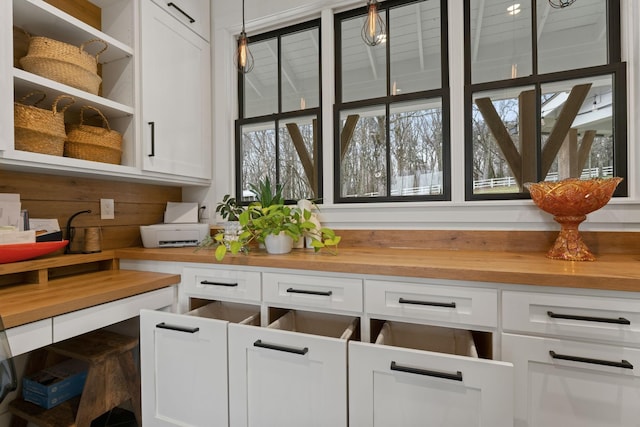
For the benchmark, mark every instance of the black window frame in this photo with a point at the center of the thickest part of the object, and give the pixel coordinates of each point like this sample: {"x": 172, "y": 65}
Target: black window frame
{"x": 615, "y": 67}
{"x": 280, "y": 115}
{"x": 444, "y": 93}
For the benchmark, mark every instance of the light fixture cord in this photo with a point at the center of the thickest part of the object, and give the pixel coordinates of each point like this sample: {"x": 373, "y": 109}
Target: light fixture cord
{"x": 243, "y": 16}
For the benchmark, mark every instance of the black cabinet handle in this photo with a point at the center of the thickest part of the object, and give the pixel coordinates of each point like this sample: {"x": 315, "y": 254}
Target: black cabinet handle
{"x": 261, "y": 344}
{"x": 446, "y": 375}
{"x": 622, "y": 364}
{"x": 177, "y": 328}
{"x": 430, "y": 303}
{"x": 153, "y": 138}
{"x": 618, "y": 321}
{"x": 304, "y": 291}
{"x": 208, "y": 282}
{"x": 172, "y": 4}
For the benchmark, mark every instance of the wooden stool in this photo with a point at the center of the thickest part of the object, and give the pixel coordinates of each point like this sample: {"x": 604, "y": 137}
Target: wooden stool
{"x": 111, "y": 380}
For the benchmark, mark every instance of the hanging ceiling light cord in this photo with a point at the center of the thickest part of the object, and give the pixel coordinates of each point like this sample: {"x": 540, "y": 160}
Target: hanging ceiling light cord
{"x": 374, "y": 30}
{"x": 243, "y": 58}
{"x": 560, "y": 4}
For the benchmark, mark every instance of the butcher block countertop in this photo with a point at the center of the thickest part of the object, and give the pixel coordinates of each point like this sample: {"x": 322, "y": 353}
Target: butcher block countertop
{"x": 48, "y": 287}
{"x": 619, "y": 272}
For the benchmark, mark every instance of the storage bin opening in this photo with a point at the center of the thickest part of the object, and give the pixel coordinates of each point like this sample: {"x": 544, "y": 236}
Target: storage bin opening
{"x": 221, "y": 310}
{"x": 439, "y": 339}
{"x": 322, "y": 324}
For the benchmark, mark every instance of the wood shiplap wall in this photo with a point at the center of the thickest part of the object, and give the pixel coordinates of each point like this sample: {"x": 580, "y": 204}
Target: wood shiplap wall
{"x": 52, "y": 196}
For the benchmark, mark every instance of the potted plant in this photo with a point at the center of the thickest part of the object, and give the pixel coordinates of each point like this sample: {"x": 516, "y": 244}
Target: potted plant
{"x": 230, "y": 211}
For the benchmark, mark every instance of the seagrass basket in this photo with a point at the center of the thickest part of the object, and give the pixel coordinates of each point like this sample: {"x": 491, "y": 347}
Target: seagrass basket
{"x": 98, "y": 144}
{"x": 39, "y": 130}
{"x": 64, "y": 63}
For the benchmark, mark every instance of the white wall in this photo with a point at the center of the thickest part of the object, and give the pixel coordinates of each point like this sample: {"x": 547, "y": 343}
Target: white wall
{"x": 620, "y": 214}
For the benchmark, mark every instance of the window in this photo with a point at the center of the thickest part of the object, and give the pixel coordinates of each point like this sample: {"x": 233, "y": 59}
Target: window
{"x": 278, "y": 130}
{"x": 392, "y": 106}
{"x": 545, "y": 91}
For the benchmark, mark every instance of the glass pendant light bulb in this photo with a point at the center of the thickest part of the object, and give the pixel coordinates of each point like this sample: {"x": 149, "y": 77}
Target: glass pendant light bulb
{"x": 374, "y": 30}
{"x": 244, "y": 58}
{"x": 560, "y": 4}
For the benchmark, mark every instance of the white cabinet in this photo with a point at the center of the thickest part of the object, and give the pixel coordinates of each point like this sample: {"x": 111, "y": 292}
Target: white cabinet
{"x": 292, "y": 373}
{"x": 572, "y": 383}
{"x": 176, "y": 96}
{"x": 116, "y": 99}
{"x": 184, "y": 364}
{"x": 193, "y": 14}
{"x": 576, "y": 358}
{"x": 425, "y": 375}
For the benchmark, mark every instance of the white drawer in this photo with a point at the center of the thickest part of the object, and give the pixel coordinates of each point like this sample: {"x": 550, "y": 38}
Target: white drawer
{"x": 81, "y": 321}
{"x": 24, "y": 338}
{"x": 600, "y": 318}
{"x": 217, "y": 283}
{"x": 296, "y": 290}
{"x": 450, "y": 304}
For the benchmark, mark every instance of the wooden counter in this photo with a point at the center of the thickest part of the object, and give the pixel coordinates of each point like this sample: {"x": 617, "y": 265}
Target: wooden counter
{"x": 619, "y": 272}
{"x": 46, "y": 287}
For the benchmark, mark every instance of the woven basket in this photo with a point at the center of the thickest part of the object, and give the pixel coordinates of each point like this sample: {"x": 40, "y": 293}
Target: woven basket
{"x": 64, "y": 63}
{"x": 98, "y": 144}
{"x": 39, "y": 130}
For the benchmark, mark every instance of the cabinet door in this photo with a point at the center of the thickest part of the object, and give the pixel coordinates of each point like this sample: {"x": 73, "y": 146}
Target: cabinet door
{"x": 393, "y": 386}
{"x": 583, "y": 391}
{"x": 176, "y": 96}
{"x": 301, "y": 380}
{"x": 183, "y": 369}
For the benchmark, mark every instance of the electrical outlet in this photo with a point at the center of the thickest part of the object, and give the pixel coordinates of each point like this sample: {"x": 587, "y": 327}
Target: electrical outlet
{"x": 204, "y": 212}
{"x": 107, "y": 209}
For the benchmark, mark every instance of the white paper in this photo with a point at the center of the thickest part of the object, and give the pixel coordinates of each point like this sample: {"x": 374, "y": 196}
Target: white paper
{"x": 10, "y": 209}
{"x": 44, "y": 224}
{"x": 181, "y": 213}
{"x": 9, "y": 237}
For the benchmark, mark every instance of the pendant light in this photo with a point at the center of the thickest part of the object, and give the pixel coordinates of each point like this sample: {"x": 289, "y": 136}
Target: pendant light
{"x": 243, "y": 58}
{"x": 560, "y": 4}
{"x": 374, "y": 31}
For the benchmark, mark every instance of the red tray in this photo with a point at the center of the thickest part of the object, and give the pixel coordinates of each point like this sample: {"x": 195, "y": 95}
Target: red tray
{"x": 24, "y": 251}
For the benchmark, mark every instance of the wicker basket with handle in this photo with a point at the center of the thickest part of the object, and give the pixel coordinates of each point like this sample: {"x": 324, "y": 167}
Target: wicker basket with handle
{"x": 64, "y": 63}
{"x": 99, "y": 144}
{"x": 39, "y": 130}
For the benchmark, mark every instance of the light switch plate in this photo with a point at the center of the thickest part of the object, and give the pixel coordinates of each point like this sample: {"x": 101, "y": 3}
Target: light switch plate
{"x": 107, "y": 209}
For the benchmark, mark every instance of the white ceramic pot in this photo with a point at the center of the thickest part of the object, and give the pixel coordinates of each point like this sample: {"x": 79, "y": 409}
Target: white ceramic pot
{"x": 278, "y": 243}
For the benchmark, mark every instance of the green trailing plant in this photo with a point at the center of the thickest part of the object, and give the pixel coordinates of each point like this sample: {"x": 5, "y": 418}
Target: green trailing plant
{"x": 229, "y": 209}
{"x": 257, "y": 222}
{"x": 265, "y": 216}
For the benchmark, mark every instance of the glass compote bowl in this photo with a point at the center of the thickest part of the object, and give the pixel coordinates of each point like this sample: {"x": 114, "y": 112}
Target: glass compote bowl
{"x": 569, "y": 201}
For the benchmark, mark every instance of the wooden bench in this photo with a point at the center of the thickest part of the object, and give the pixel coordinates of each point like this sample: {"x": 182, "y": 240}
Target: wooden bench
{"x": 112, "y": 379}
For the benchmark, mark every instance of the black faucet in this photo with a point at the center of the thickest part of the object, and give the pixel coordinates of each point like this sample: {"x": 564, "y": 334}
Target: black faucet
{"x": 71, "y": 231}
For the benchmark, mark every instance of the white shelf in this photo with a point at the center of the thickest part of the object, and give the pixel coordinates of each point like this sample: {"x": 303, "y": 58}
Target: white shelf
{"x": 40, "y": 18}
{"x": 26, "y": 82}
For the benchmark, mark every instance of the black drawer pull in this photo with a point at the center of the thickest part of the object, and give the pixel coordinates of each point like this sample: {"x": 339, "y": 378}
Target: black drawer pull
{"x": 447, "y": 376}
{"x": 208, "y": 282}
{"x": 622, "y": 364}
{"x": 304, "y": 291}
{"x": 430, "y": 303}
{"x": 261, "y": 344}
{"x": 618, "y": 321}
{"x": 177, "y": 328}
{"x": 172, "y": 4}
{"x": 153, "y": 139}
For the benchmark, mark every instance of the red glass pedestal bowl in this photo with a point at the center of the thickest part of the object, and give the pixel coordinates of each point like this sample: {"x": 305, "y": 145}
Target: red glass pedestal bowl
{"x": 569, "y": 201}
